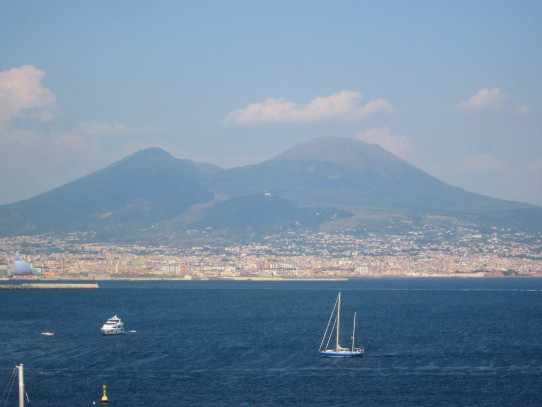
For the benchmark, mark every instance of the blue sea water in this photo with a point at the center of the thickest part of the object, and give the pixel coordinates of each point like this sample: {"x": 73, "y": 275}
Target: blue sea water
{"x": 428, "y": 342}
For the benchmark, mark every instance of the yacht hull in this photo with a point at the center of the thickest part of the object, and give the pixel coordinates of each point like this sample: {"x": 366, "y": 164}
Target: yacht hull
{"x": 341, "y": 354}
{"x": 113, "y": 326}
{"x": 112, "y": 331}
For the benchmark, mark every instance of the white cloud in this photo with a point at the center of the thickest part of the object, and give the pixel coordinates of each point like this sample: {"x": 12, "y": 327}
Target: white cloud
{"x": 401, "y": 146}
{"x": 483, "y": 99}
{"x": 23, "y": 96}
{"x": 344, "y": 105}
{"x": 479, "y": 162}
{"x": 21, "y": 89}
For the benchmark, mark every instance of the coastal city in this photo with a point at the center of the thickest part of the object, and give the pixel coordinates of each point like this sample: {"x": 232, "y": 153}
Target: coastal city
{"x": 425, "y": 251}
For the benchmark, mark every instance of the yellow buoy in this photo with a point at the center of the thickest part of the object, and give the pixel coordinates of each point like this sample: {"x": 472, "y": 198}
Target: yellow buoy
{"x": 104, "y": 397}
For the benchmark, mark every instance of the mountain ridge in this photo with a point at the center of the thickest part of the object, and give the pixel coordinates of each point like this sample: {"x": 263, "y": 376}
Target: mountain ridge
{"x": 312, "y": 184}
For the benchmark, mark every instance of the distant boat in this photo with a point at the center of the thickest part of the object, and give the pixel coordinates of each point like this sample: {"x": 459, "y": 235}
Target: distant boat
{"x": 47, "y": 333}
{"x": 113, "y": 326}
{"x": 338, "y": 351}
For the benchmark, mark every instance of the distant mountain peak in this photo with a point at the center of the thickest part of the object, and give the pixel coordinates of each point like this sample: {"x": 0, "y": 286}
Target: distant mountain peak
{"x": 151, "y": 152}
{"x": 347, "y": 152}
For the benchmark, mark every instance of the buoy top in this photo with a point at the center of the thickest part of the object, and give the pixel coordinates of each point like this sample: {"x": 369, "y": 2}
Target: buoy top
{"x": 104, "y": 397}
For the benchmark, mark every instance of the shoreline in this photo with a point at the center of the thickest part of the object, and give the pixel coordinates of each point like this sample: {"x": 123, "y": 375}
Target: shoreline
{"x": 49, "y": 286}
{"x": 93, "y": 282}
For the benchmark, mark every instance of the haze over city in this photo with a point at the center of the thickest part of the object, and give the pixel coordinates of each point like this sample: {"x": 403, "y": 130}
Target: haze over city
{"x": 451, "y": 87}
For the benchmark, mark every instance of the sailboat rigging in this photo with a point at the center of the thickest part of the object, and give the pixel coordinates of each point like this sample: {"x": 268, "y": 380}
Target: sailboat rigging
{"x": 4, "y": 398}
{"x": 338, "y": 351}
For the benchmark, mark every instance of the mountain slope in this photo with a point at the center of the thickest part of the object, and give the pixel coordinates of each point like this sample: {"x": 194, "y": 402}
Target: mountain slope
{"x": 329, "y": 182}
{"x": 147, "y": 186}
{"x": 351, "y": 174}
{"x": 265, "y": 212}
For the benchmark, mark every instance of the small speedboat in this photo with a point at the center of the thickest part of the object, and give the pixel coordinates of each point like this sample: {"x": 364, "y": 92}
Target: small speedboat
{"x": 47, "y": 333}
{"x": 113, "y": 326}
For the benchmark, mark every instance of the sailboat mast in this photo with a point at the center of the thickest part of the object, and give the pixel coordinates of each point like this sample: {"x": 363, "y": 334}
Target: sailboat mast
{"x": 21, "y": 385}
{"x": 338, "y": 322}
{"x": 354, "y": 332}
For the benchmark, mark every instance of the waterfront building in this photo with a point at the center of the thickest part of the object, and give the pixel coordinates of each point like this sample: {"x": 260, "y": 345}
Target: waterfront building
{"x": 21, "y": 267}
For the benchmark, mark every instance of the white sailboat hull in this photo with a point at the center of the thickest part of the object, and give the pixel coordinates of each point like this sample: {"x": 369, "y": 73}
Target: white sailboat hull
{"x": 342, "y": 353}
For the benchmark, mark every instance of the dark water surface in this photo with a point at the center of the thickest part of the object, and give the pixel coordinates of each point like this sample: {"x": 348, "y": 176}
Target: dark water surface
{"x": 428, "y": 342}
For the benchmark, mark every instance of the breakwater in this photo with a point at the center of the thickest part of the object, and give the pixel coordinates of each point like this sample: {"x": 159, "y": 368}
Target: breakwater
{"x": 48, "y": 286}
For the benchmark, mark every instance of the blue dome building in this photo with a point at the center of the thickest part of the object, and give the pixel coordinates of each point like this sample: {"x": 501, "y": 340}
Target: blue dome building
{"x": 21, "y": 267}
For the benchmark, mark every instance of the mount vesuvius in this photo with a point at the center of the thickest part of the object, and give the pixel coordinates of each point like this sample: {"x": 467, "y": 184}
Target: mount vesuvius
{"x": 327, "y": 183}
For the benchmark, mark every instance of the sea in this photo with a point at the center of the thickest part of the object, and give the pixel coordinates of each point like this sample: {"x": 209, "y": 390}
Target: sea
{"x": 428, "y": 342}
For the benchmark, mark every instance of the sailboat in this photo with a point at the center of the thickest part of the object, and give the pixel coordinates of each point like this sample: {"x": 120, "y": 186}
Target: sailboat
{"x": 338, "y": 351}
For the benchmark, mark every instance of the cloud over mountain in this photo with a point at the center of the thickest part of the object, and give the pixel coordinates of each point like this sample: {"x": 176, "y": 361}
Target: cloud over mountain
{"x": 401, "y": 146}
{"x": 21, "y": 89}
{"x": 483, "y": 99}
{"x": 344, "y": 105}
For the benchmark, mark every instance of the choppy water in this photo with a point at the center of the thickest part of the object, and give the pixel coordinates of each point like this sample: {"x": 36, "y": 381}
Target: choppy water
{"x": 428, "y": 343}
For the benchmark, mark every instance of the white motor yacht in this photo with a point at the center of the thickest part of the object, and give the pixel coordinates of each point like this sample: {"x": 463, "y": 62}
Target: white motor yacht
{"x": 113, "y": 326}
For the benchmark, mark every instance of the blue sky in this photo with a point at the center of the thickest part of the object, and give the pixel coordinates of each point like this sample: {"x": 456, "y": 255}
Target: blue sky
{"x": 453, "y": 87}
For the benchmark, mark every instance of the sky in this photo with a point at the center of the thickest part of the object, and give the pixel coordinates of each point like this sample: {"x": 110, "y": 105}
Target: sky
{"x": 452, "y": 87}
